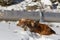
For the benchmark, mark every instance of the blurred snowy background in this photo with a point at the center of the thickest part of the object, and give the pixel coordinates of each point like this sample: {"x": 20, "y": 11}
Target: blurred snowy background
{"x": 27, "y": 4}
{"x": 9, "y": 30}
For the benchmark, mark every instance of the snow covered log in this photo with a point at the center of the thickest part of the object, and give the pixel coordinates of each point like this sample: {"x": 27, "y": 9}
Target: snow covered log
{"x": 16, "y": 15}
{"x": 51, "y": 15}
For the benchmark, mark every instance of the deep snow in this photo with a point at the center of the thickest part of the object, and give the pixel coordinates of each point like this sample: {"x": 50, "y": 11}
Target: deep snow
{"x": 9, "y": 31}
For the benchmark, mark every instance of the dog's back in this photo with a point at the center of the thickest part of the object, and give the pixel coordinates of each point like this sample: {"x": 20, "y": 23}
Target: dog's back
{"x": 44, "y": 29}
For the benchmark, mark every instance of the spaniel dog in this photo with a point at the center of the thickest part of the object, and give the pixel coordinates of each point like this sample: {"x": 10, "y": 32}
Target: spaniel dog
{"x": 35, "y": 26}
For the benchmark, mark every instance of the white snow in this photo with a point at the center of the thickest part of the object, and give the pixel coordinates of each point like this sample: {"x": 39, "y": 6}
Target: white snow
{"x": 22, "y": 5}
{"x": 9, "y": 31}
{"x": 46, "y": 2}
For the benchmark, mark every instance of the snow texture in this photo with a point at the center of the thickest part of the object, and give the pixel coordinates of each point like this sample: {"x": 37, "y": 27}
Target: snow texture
{"x": 22, "y": 5}
{"x": 9, "y": 31}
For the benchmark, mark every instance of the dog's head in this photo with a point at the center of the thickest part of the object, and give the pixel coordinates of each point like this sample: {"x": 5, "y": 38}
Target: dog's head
{"x": 26, "y": 22}
{"x": 21, "y": 22}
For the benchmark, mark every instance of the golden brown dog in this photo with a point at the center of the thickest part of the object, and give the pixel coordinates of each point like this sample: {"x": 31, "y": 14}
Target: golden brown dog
{"x": 24, "y": 23}
{"x": 35, "y": 26}
{"x": 43, "y": 29}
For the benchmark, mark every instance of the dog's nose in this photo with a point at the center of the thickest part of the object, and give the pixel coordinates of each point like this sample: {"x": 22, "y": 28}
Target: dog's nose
{"x": 18, "y": 25}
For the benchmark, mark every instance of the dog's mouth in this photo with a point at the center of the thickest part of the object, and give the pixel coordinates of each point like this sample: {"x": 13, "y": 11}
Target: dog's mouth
{"x": 21, "y": 25}
{"x": 18, "y": 25}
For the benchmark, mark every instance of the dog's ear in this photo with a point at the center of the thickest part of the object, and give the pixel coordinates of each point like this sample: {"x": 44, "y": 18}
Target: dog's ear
{"x": 37, "y": 21}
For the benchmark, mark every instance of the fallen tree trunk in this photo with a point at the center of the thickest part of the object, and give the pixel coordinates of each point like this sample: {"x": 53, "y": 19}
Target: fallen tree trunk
{"x": 16, "y": 15}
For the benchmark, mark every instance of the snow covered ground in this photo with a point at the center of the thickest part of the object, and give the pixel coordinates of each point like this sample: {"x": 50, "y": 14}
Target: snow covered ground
{"x": 9, "y": 31}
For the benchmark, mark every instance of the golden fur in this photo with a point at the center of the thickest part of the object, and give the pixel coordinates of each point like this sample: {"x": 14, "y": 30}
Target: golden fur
{"x": 35, "y": 26}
